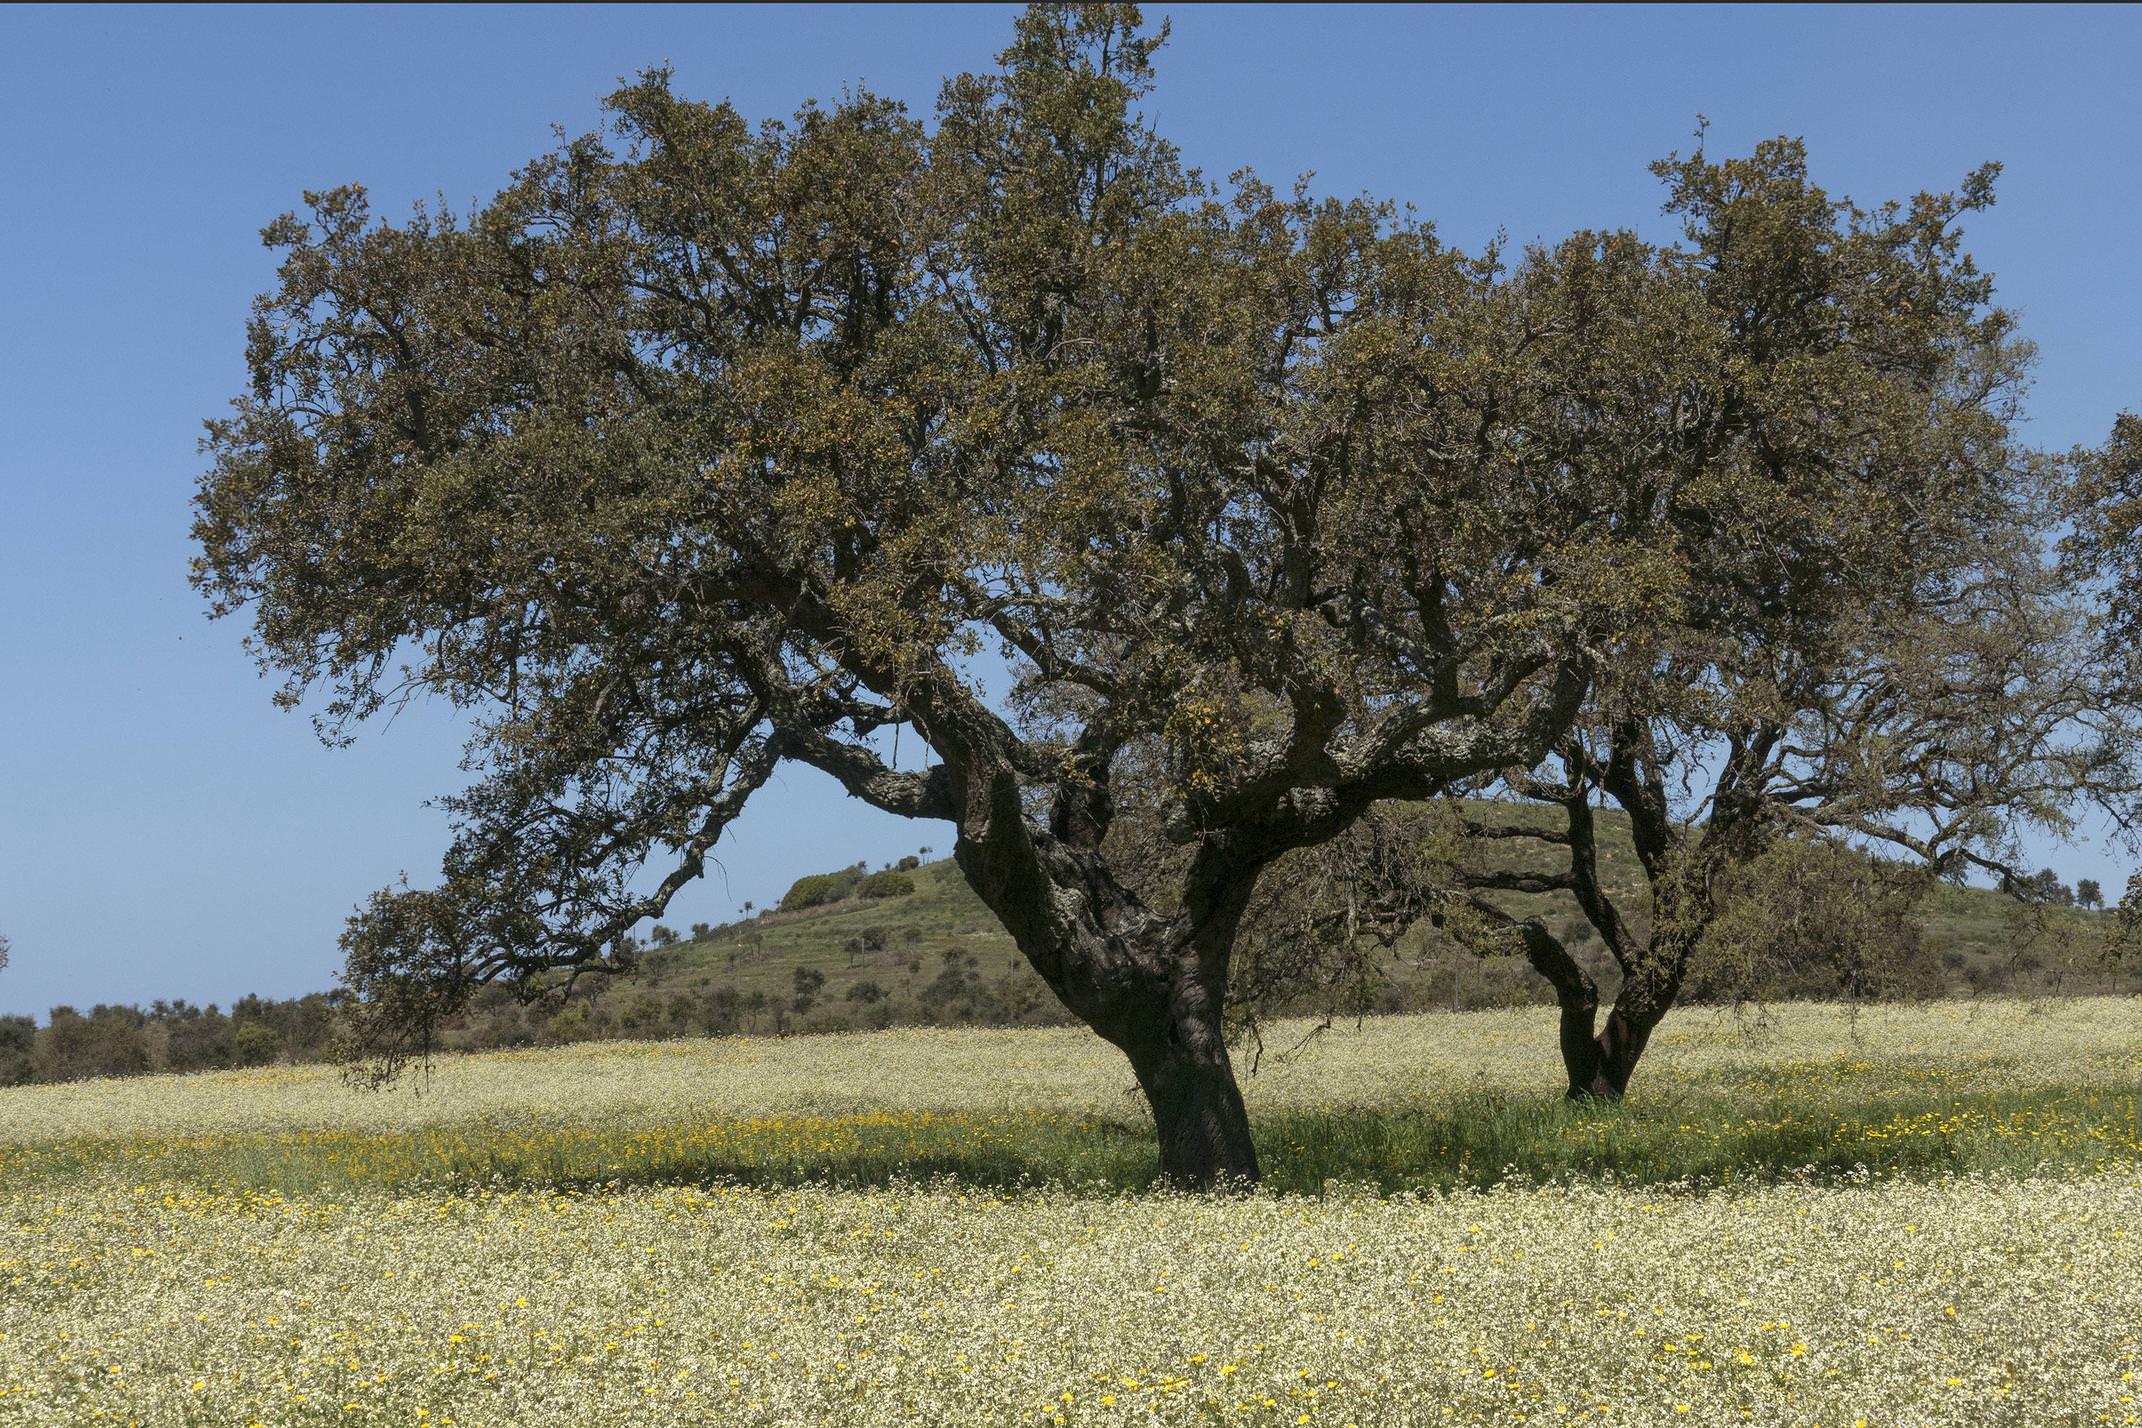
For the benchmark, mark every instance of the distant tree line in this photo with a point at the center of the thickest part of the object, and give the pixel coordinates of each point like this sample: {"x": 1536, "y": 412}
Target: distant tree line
{"x": 124, "y": 1040}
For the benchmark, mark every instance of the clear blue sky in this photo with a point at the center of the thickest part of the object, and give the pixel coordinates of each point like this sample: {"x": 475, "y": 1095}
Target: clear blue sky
{"x": 165, "y": 832}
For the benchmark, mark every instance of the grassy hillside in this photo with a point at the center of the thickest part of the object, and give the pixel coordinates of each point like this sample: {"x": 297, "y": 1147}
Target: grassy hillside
{"x": 902, "y": 946}
{"x": 941, "y": 915}
{"x": 930, "y": 954}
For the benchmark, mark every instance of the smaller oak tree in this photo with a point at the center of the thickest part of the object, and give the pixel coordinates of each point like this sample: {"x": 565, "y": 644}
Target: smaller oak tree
{"x": 1892, "y": 663}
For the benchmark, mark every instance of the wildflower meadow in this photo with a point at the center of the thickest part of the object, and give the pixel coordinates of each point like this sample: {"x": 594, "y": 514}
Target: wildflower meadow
{"x": 951, "y": 1227}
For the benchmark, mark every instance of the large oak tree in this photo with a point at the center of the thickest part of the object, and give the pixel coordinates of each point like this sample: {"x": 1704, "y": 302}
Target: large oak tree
{"x": 704, "y": 446}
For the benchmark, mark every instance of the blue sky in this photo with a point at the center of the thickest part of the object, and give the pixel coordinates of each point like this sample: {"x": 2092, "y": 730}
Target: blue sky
{"x": 164, "y": 832}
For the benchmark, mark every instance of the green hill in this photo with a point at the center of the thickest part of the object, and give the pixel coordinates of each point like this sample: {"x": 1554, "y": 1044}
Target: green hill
{"x": 901, "y": 945}
{"x": 937, "y": 955}
{"x": 923, "y": 951}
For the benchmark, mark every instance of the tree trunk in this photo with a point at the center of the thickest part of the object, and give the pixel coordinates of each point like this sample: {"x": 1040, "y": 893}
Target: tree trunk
{"x": 1595, "y": 1071}
{"x": 1151, "y": 985}
{"x": 1189, "y": 1081}
{"x": 1199, "y": 1117}
{"x": 1148, "y": 987}
{"x": 1600, "y": 1067}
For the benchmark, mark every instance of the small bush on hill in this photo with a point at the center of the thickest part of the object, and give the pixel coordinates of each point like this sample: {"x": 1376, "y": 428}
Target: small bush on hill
{"x": 821, "y": 888}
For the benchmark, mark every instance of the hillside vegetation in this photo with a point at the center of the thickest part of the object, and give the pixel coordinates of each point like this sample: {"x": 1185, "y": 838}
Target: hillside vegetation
{"x": 936, "y": 956}
{"x": 912, "y": 946}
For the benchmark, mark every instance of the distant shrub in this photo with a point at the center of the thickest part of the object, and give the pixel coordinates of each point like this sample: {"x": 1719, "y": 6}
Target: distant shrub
{"x": 17, "y": 1035}
{"x": 821, "y": 888}
{"x": 568, "y": 1025}
{"x": 809, "y": 983}
{"x": 886, "y": 885}
{"x": 254, "y": 1044}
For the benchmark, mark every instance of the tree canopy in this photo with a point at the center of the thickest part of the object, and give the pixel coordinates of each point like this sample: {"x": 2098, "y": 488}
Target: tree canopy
{"x": 1895, "y": 663}
{"x": 2104, "y": 545}
{"x": 706, "y": 445}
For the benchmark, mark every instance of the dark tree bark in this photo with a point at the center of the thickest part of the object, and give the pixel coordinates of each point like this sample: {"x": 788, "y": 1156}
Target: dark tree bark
{"x": 1577, "y": 1000}
{"x": 1127, "y": 974}
{"x": 1599, "y": 1059}
{"x": 1181, "y": 1061}
{"x": 1153, "y": 986}
{"x": 1600, "y": 1067}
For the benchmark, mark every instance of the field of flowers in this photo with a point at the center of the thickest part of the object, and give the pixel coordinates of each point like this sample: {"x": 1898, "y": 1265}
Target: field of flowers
{"x": 649, "y": 1235}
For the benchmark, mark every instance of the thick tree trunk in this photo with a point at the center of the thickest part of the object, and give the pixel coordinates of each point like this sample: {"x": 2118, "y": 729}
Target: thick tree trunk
{"x": 1581, "y": 1057}
{"x": 1183, "y": 1067}
{"x": 1168, "y": 1022}
{"x": 1600, "y": 1066}
{"x": 1154, "y": 987}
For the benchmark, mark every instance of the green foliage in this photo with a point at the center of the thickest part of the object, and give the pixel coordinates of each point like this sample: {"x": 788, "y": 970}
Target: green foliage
{"x": 253, "y": 1044}
{"x": 1286, "y": 493}
{"x": 818, "y": 889}
{"x": 567, "y": 1025}
{"x": 887, "y": 884}
{"x": 1811, "y": 918}
{"x": 2127, "y": 940}
{"x": 18, "y": 1037}
{"x": 2104, "y": 542}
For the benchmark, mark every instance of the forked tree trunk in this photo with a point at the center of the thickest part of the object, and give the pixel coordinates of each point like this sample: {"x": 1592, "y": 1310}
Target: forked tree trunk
{"x": 1600, "y": 1060}
{"x": 1600, "y": 1067}
{"x": 1148, "y": 989}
